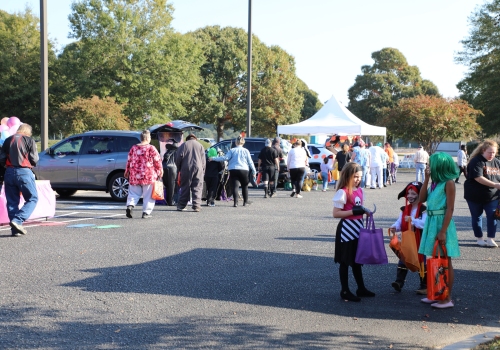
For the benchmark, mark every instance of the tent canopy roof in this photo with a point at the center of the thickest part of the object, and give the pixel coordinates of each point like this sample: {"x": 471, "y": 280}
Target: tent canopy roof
{"x": 332, "y": 118}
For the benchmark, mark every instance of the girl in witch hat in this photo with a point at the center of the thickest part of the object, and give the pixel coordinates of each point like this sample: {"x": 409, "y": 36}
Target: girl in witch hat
{"x": 415, "y": 212}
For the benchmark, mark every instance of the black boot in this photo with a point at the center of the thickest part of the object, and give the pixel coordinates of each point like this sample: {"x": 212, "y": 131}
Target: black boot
{"x": 400, "y": 278}
{"x": 423, "y": 285}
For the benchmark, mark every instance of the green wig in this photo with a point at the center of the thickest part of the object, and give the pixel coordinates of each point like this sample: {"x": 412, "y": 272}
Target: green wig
{"x": 443, "y": 167}
{"x": 212, "y": 152}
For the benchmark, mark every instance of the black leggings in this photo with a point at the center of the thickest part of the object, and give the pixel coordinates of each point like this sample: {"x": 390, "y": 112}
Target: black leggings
{"x": 239, "y": 177}
{"x": 296, "y": 176}
{"x": 344, "y": 276}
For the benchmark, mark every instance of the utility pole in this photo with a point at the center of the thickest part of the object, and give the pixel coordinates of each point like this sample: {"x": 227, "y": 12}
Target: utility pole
{"x": 44, "y": 77}
{"x": 249, "y": 71}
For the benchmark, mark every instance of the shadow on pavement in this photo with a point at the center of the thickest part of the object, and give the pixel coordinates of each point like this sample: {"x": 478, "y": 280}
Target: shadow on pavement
{"x": 292, "y": 281}
{"x": 172, "y": 333}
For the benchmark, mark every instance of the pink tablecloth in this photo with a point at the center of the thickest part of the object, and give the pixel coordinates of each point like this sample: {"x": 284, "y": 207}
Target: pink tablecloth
{"x": 45, "y": 208}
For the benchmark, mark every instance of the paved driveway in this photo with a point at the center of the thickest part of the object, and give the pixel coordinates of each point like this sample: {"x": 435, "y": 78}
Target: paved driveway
{"x": 256, "y": 277}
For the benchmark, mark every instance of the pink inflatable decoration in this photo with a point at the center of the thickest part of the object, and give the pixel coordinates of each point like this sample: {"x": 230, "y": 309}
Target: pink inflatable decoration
{"x": 4, "y": 121}
{"x": 13, "y": 129}
{"x": 13, "y": 121}
{"x": 3, "y": 127}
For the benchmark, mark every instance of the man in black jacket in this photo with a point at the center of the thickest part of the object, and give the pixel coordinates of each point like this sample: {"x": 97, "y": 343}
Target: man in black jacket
{"x": 19, "y": 156}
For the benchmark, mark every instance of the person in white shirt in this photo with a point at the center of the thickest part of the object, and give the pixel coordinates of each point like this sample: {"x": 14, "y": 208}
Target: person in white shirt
{"x": 376, "y": 166}
{"x": 462, "y": 162}
{"x": 421, "y": 160}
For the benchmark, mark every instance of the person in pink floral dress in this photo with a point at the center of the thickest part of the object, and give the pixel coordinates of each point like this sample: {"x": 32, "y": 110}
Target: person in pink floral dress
{"x": 142, "y": 170}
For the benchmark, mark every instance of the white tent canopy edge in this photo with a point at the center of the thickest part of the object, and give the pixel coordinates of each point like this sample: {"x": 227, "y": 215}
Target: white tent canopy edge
{"x": 332, "y": 118}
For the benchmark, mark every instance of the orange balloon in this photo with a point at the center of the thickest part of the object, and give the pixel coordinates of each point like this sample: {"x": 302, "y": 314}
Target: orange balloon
{"x": 4, "y": 121}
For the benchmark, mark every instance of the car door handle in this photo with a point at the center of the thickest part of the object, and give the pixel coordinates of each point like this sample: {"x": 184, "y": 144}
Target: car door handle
{"x": 71, "y": 161}
{"x": 110, "y": 159}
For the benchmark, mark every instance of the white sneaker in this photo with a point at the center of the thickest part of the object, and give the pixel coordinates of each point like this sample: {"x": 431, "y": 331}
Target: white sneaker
{"x": 298, "y": 196}
{"x": 481, "y": 242}
{"x": 490, "y": 242}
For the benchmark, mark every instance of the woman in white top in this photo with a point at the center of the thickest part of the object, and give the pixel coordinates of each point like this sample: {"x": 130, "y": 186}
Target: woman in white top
{"x": 296, "y": 163}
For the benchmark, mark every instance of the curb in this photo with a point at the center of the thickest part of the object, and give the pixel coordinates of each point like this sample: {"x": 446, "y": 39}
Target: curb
{"x": 472, "y": 342}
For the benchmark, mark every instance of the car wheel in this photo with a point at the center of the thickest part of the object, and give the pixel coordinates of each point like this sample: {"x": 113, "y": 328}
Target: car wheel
{"x": 118, "y": 187}
{"x": 65, "y": 193}
{"x": 315, "y": 167}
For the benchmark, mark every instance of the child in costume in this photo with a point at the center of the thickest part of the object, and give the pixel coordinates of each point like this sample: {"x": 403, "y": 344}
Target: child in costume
{"x": 415, "y": 211}
{"x": 348, "y": 206}
{"x": 325, "y": 168}
{"x": 439, "y": 225}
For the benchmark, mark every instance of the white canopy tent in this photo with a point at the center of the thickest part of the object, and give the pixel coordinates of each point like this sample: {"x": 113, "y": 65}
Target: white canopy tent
{"x": 332, "y": 118}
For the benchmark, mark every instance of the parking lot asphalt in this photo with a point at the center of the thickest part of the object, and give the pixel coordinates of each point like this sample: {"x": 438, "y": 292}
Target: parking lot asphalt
{"x": 261, "y": 276}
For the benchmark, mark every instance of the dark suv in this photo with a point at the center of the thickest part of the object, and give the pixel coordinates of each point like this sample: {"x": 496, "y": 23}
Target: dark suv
{"x": 254, "y": 145}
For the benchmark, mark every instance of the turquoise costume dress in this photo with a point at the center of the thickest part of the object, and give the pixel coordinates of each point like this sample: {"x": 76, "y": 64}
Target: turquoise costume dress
{"x": 436, "y": 208}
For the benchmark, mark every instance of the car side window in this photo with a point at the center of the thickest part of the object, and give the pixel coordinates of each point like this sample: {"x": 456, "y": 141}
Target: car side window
{"x": 126, "y": 143}
{"x": 69, "y": 147}
{"x": 314, "y": 150}
{"x": 225, "y": 146}
{"x": 253, "y": 146}
{"x": 100, "y": 145}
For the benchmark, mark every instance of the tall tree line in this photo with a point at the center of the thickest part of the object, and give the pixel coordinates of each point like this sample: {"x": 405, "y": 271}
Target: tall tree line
{"x": 127, "y": 58}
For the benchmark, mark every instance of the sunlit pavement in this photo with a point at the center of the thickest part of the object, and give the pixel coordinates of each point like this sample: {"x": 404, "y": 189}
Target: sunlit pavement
{"x": 261, "y": 276}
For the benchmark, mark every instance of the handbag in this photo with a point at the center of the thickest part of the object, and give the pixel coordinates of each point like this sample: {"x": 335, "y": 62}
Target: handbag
{"x": 371, "y": 249}
{"x": 409, "y": 249}
{"x": 437, "y": 275}
{"x": 158, "y": 192}
{"x": 395, "y": 244}
{"x": 497, "y": 211}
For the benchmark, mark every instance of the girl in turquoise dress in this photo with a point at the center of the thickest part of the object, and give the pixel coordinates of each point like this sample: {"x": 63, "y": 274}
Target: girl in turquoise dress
{"x": 439, "y": 225}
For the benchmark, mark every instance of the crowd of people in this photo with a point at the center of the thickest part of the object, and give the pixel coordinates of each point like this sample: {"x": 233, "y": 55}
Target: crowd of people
{"x": 436, "y": 178}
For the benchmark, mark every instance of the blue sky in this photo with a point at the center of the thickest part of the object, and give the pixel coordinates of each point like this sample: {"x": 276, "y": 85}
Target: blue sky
{"x": 330, "y": 39}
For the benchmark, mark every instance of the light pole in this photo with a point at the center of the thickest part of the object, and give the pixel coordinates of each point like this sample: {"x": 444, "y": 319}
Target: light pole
{"x": 249, "y": 71}
{"x": 44, "y": 77}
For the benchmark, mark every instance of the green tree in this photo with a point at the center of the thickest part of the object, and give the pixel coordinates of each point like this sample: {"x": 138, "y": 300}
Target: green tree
{"x": 385, "y": 82}
{"x": 481, "y": 53}
{"x": 311, "y": 102}
{"x": 82, "y": 115}
{"x": 276, "y": 99}
{"x": 20, "y": 67}
{"x": 221, "y": 98}
{"x": 129, "y": 51}
{"x": 431, "y": 120}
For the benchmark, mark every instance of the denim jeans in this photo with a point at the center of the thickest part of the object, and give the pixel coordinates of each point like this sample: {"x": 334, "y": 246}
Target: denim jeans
{"x": 420, "y": 168}
{"x": 365, "y": 170}
{"x": 324, "y": 178}
{"x": 20, "y": 180}
{"x": 476, "y": 213}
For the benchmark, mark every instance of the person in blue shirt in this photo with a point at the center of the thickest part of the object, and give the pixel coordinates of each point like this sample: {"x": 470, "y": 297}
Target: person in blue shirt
{"x": 239, "y": 165}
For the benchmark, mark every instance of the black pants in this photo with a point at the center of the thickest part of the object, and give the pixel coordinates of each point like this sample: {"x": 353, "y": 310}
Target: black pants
{"x": 268, "y": 173}
{"x": 169, "y": 178}
{"x": 212, "y": 183}
{"x": 462, "y": 169}
{"x": 296, "y": 176}
{"x": 239, "y": 177}
{"x": 344, "y": 276}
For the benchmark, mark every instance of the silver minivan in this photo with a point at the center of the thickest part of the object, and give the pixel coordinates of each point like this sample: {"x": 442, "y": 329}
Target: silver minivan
{"x": 94, "y": 160}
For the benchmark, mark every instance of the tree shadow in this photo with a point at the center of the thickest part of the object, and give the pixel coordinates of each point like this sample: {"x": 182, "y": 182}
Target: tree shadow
{"x": 291, "y": 281}
{"x": 20, "y": 331}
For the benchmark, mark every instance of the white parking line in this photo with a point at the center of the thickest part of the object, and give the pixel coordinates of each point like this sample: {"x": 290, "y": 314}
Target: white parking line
{"x": 73, "y": 220}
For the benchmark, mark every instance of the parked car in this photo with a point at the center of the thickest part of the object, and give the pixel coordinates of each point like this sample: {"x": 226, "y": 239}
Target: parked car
{"x": 318, "y": 153}
{"x": 210, "y": 141}
{"x": 96, "y": 160}
{"x": 255, "y": 145}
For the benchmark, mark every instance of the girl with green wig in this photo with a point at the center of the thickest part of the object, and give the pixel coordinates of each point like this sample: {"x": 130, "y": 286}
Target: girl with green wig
{"x": 439, "y": 226}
